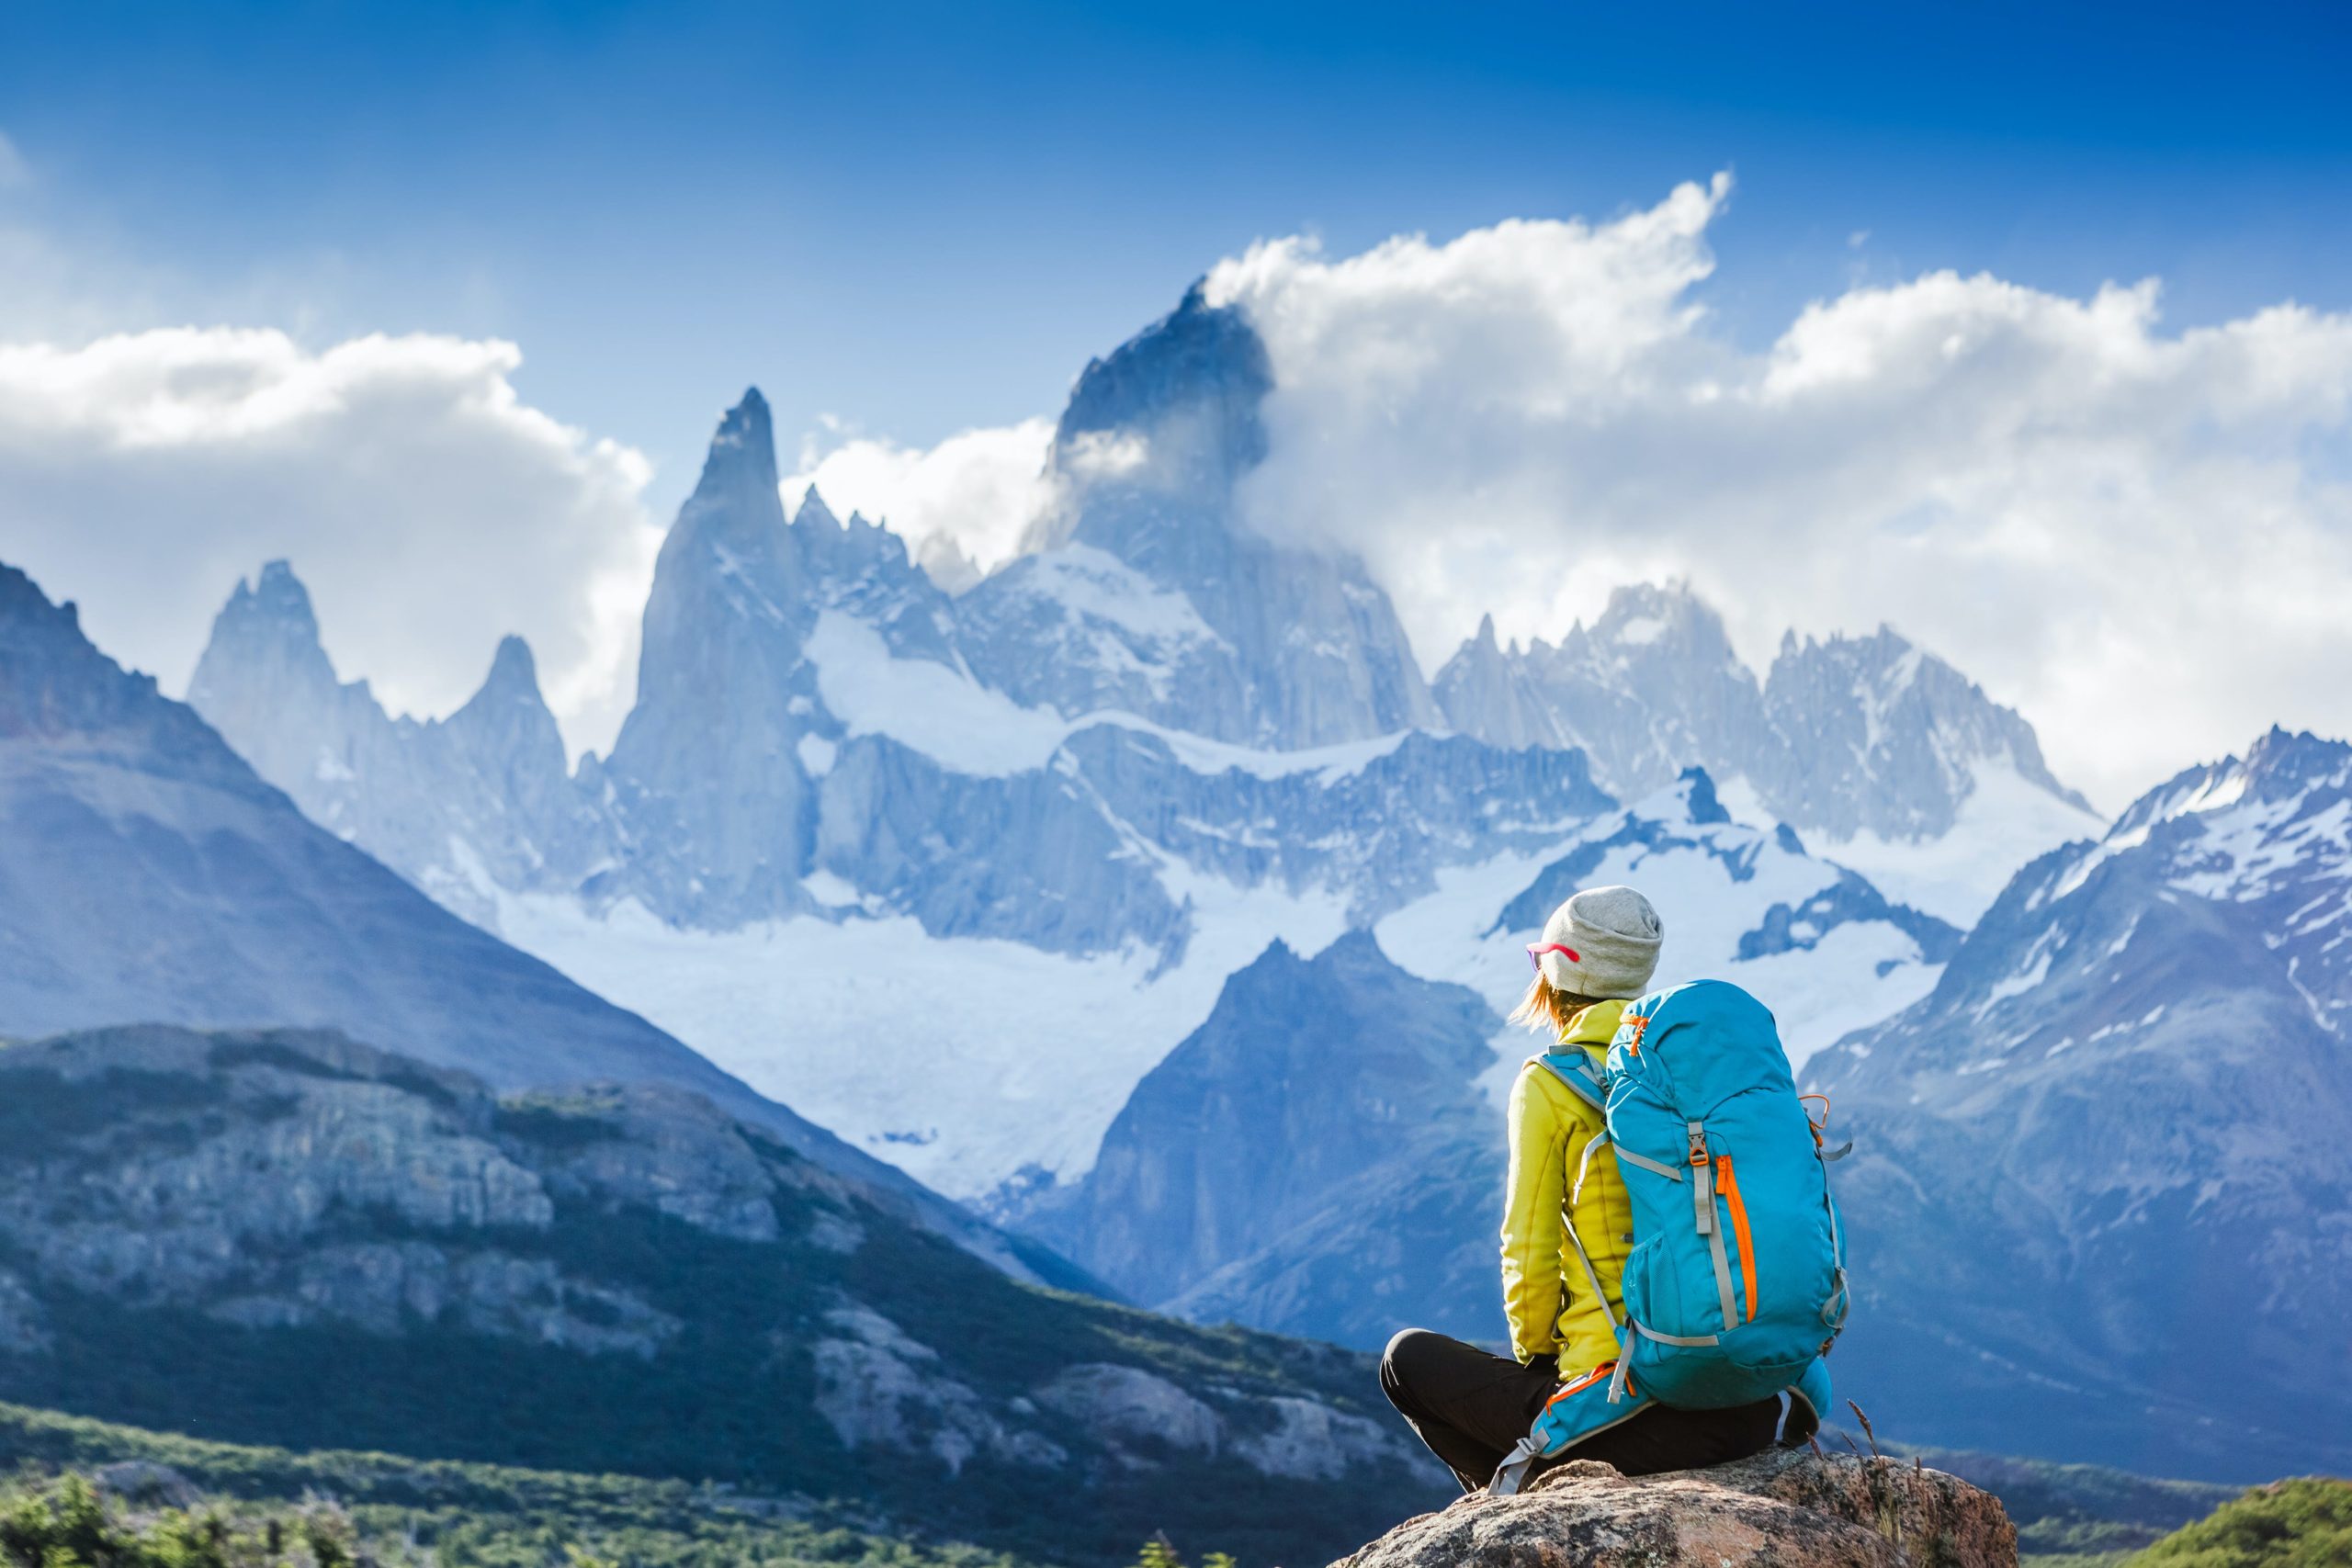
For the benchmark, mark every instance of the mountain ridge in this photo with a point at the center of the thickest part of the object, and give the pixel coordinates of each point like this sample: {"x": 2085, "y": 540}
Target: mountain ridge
{"x": 152, "y": 875}
{"x": 2130, "y": 1074}
{"x": 1117, "y": 767}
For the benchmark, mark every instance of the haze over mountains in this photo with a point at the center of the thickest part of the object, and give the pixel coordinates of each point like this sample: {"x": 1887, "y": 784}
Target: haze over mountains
{"x": 148, "y": 876}
{"x": 1144, "y": 894}
{"x": 1083, "y": 790}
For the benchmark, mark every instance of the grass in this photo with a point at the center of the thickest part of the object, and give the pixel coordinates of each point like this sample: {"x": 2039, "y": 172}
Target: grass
{"x": 387, "y": 1508}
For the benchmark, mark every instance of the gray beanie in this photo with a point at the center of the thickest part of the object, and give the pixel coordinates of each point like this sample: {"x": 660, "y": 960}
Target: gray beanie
{"x": 1613, "y": 937}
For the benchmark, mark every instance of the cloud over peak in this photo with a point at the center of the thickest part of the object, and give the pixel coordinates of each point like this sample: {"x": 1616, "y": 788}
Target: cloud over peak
{"x": 2141, "y": 537}
{"x": 2065, "y": 499}
{"x": 428, "y": 507}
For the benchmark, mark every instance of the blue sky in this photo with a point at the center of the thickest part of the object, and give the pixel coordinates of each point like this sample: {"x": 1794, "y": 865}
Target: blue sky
{"x": 924, "y": 217}
{"x": 921, "y": 221}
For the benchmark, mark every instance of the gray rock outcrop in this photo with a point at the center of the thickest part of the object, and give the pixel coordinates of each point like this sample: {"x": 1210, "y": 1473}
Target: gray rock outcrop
{"x": 1781, "y": 1509}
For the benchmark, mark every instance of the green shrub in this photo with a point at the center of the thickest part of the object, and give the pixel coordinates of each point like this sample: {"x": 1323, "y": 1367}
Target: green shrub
{"x": 2305, "y": 1523}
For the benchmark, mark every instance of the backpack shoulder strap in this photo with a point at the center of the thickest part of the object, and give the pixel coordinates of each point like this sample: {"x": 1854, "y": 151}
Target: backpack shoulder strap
{"x": 1574, "y": 1068}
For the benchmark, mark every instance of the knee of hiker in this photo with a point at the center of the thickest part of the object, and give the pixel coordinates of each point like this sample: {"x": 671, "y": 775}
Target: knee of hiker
{"x": 1407, "y": 1349}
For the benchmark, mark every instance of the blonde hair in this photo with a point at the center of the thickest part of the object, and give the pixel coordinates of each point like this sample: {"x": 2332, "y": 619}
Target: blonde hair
{"x": 1546, "y": 1007}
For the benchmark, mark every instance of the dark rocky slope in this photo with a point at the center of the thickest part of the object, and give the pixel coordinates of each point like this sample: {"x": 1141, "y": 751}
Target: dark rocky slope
{"x": 285, "y": 1237}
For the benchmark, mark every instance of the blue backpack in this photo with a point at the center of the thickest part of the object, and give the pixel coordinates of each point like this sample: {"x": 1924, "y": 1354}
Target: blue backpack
{"x": 1737, "y": 1285}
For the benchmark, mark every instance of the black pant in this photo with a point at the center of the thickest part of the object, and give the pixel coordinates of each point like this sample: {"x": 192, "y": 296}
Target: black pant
{"x": 1471, "y": 1407}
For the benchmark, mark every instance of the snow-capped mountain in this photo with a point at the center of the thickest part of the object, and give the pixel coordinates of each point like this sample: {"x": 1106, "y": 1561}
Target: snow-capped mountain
{"x": 1150, "y": 595}
{"x": 951, "y": 872}
{"x": 147, "y": 875}
{"x": 1651, "y": 688}
{"x": 823, "y": 844}
{"x": 482, "y": 797}
{"x": 1889, "y": 758}
{"x": 1325, "y": 1152}
{"x": 1820, "y": 944}
{"x": 2101, "y": 1173}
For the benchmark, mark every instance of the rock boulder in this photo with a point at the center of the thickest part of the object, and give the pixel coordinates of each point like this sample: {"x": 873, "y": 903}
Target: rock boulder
{"x": 1781, "y": 1509}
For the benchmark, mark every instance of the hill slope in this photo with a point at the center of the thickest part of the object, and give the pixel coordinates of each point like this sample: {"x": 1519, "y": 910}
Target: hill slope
{"x": 285, "y": 1237}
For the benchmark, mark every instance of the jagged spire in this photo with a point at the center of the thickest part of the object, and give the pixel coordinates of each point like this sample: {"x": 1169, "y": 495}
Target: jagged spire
{"x": 266, "y": 632}
{"x": 813, "y": 510}
{"x": 741, "y": 467}
{"x": 511, "y": 668}
{"x": 749, "y": 430}
{"x": 281, "y": 595}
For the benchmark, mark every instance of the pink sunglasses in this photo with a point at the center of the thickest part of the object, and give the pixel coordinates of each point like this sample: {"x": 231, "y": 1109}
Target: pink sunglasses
{"x": 1536, "y": 951}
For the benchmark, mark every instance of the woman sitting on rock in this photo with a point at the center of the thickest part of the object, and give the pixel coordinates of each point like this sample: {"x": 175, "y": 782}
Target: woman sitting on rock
{"x": 1470, "y": 1406}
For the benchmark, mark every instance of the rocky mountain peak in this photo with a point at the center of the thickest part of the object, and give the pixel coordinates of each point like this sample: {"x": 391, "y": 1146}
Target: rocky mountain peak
{"x": 1206, "y": 622}
{"x": 813, "y": 513}
{"x": 745, "y": 442}
{"x": 1197, "y": 356}
{"x": 736, "y": 507}
{"x": 513, "y": 671}
{"x": 1491, "y": 694}
{"x": 1696, "y": 793}
{"x": 56, "y": 686}
{"x": 511, "y": 735}
{"x": 1669, "y": 618}
{"x": 948, "y": 564}
{"x": 2282, "y": 764}
{"x": 1332, "y": 1059}
{"x": 278, "y": 598}
{"x": 268, "y": 633}
{"x": 1884, "y": 736}
{"x": 728, "y": 554}
{"x": 1154, "y": 438}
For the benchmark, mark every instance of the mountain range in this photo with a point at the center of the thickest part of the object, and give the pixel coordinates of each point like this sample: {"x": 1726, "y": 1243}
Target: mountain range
{"x": 2096, "y": 1202}
{"x": 147, "y": 875}
{"x": 2100, "y": 1172}
{"x": 1080, "y": 791}
{"x": 1143, "y": 895}
{"x": 1324, "y": 1156}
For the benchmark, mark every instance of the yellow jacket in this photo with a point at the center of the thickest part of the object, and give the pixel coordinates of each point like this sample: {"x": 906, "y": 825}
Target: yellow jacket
{"x": 1545, "y": 1293}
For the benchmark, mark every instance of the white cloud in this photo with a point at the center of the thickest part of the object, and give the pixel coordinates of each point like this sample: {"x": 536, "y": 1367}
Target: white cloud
{"x": 427, "y": 507}
{"x": 2142, "y": 538}
{"x": 975, "y": 492}
{"x": 15, "y": 172}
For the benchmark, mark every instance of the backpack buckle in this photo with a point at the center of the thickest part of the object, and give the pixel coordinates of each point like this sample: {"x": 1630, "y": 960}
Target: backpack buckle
{"x": 1698, "y": 1144}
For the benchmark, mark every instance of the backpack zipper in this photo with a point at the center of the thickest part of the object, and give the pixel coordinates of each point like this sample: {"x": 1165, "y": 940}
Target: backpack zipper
{"x": 1729, "y": 1185}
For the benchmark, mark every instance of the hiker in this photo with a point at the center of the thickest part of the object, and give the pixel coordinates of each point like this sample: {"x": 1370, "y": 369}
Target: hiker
{"x": 1471, "y": 1407}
